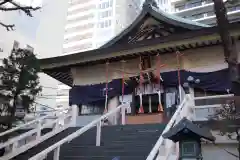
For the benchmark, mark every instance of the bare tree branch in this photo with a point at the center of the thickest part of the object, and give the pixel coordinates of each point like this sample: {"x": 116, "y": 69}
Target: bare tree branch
{"x": 9, "y": 27}
{"x": 26, "y": 9}
{"x": 15, "y": 7}
{"x": 5, "y": 1}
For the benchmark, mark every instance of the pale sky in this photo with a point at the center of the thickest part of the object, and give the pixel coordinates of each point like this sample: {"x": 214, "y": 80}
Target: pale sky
{"x": 28, "y": 25}
{"x": 34, "y": 3}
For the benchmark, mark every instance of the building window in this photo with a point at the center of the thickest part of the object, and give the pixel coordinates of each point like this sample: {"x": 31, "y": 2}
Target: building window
{"x": 105, "y": 5}
{"x": 105, "y": 24}
{"x": 191, "y": 4}
{"x": 15, "y": 45}
{"x": 233, "y": 8}
{"x": 105, "y": 14}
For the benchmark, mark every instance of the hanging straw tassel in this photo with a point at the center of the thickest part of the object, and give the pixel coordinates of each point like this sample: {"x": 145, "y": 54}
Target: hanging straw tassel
{"x": 160, "y": 107}
{"x": 178, "y": 56}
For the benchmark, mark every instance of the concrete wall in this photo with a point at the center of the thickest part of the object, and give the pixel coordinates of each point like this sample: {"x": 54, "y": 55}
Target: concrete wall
{"x": 206, "y": 59}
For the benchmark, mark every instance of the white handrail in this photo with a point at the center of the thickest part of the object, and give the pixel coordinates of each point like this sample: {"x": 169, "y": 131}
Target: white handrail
{"x": 22, "y": 126}
{"x": 34, "y": 136}
{"x": 158, "y": 144}
{"x": 74, "y": 135}
{"x": 27, "y": 124}
{"x": 214, "y": 97}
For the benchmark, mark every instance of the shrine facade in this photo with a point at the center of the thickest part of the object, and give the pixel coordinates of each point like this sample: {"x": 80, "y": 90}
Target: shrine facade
{"x": 150, "y": 65}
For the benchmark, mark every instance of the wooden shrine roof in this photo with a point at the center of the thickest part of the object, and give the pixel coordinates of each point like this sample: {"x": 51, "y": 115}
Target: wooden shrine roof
{"x": 177, "y": 131}
{"x": 153, "y": 22}
{"x": 153, "y": 32}
{"x": 60, "y": 67}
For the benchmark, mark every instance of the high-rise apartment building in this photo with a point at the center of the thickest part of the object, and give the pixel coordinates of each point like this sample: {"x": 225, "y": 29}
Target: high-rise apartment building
{"x": 202, "y": 11}
{"x": 91, "y": 23}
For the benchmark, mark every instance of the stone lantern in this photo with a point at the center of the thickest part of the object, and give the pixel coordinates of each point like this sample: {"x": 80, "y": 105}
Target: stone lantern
{"x": 189, "y": 136}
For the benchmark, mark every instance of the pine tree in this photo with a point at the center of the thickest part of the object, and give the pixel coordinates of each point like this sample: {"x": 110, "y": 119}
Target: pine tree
{"x": 20, "y": 83}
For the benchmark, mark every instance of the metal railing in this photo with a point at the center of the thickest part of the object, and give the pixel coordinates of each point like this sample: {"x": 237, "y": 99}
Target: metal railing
{"x": 164, "y": 148}
{"x": 98, "y": 123}
{"x": 208, "y": 105}
{"x": 33, "y": 135}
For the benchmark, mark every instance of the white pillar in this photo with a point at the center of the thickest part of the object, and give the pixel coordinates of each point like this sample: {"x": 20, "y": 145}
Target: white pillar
{"x": 98, "y": 135}
{"x": 123, "y": 110}
{"x": 75, "y": 111}
{"x": 39, "y": 125}
{"x": 191, "y": 106}
{"x": 180, "y": 93}
{"x": 150, "y": 103}
{"x": 113, "y": 119}
{"x": 56, "y": 153}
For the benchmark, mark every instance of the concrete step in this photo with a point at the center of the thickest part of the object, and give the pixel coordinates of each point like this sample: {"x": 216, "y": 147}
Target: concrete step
{"x": 129, "y": 142}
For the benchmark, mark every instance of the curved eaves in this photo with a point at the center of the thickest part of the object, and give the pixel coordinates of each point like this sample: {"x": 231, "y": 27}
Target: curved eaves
{"x": 160, "y": 16}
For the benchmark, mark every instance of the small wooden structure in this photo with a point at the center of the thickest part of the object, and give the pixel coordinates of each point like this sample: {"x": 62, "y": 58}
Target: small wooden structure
{"x": 189, "y": 137}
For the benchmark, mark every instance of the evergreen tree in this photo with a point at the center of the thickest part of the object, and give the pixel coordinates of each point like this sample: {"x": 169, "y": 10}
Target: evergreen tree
{"x": 20, "y": 83}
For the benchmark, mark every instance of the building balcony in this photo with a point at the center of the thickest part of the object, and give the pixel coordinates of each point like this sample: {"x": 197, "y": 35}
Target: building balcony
{"x": 211, "y": 18}
{"x": 186, "y": 8}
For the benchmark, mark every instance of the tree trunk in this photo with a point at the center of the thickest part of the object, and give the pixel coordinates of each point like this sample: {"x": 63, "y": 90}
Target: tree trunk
{"x": 229, "y": 45}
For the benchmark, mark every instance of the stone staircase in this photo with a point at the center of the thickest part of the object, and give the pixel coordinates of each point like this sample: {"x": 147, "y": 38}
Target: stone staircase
{"x": 129, "y": 142}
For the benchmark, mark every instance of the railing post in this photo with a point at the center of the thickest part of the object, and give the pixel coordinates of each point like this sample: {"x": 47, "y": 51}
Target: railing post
{"x": 98, "y": 135}
{"x": 158, "y": 155}
{"x": 14, "y": 146}
{"x": 123, "y": 115}
{"x": 74, "y": 113}
{"x": 191, "y": 107}
{"x": 56, "y": 153}
{"x": 39, "y": 125}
